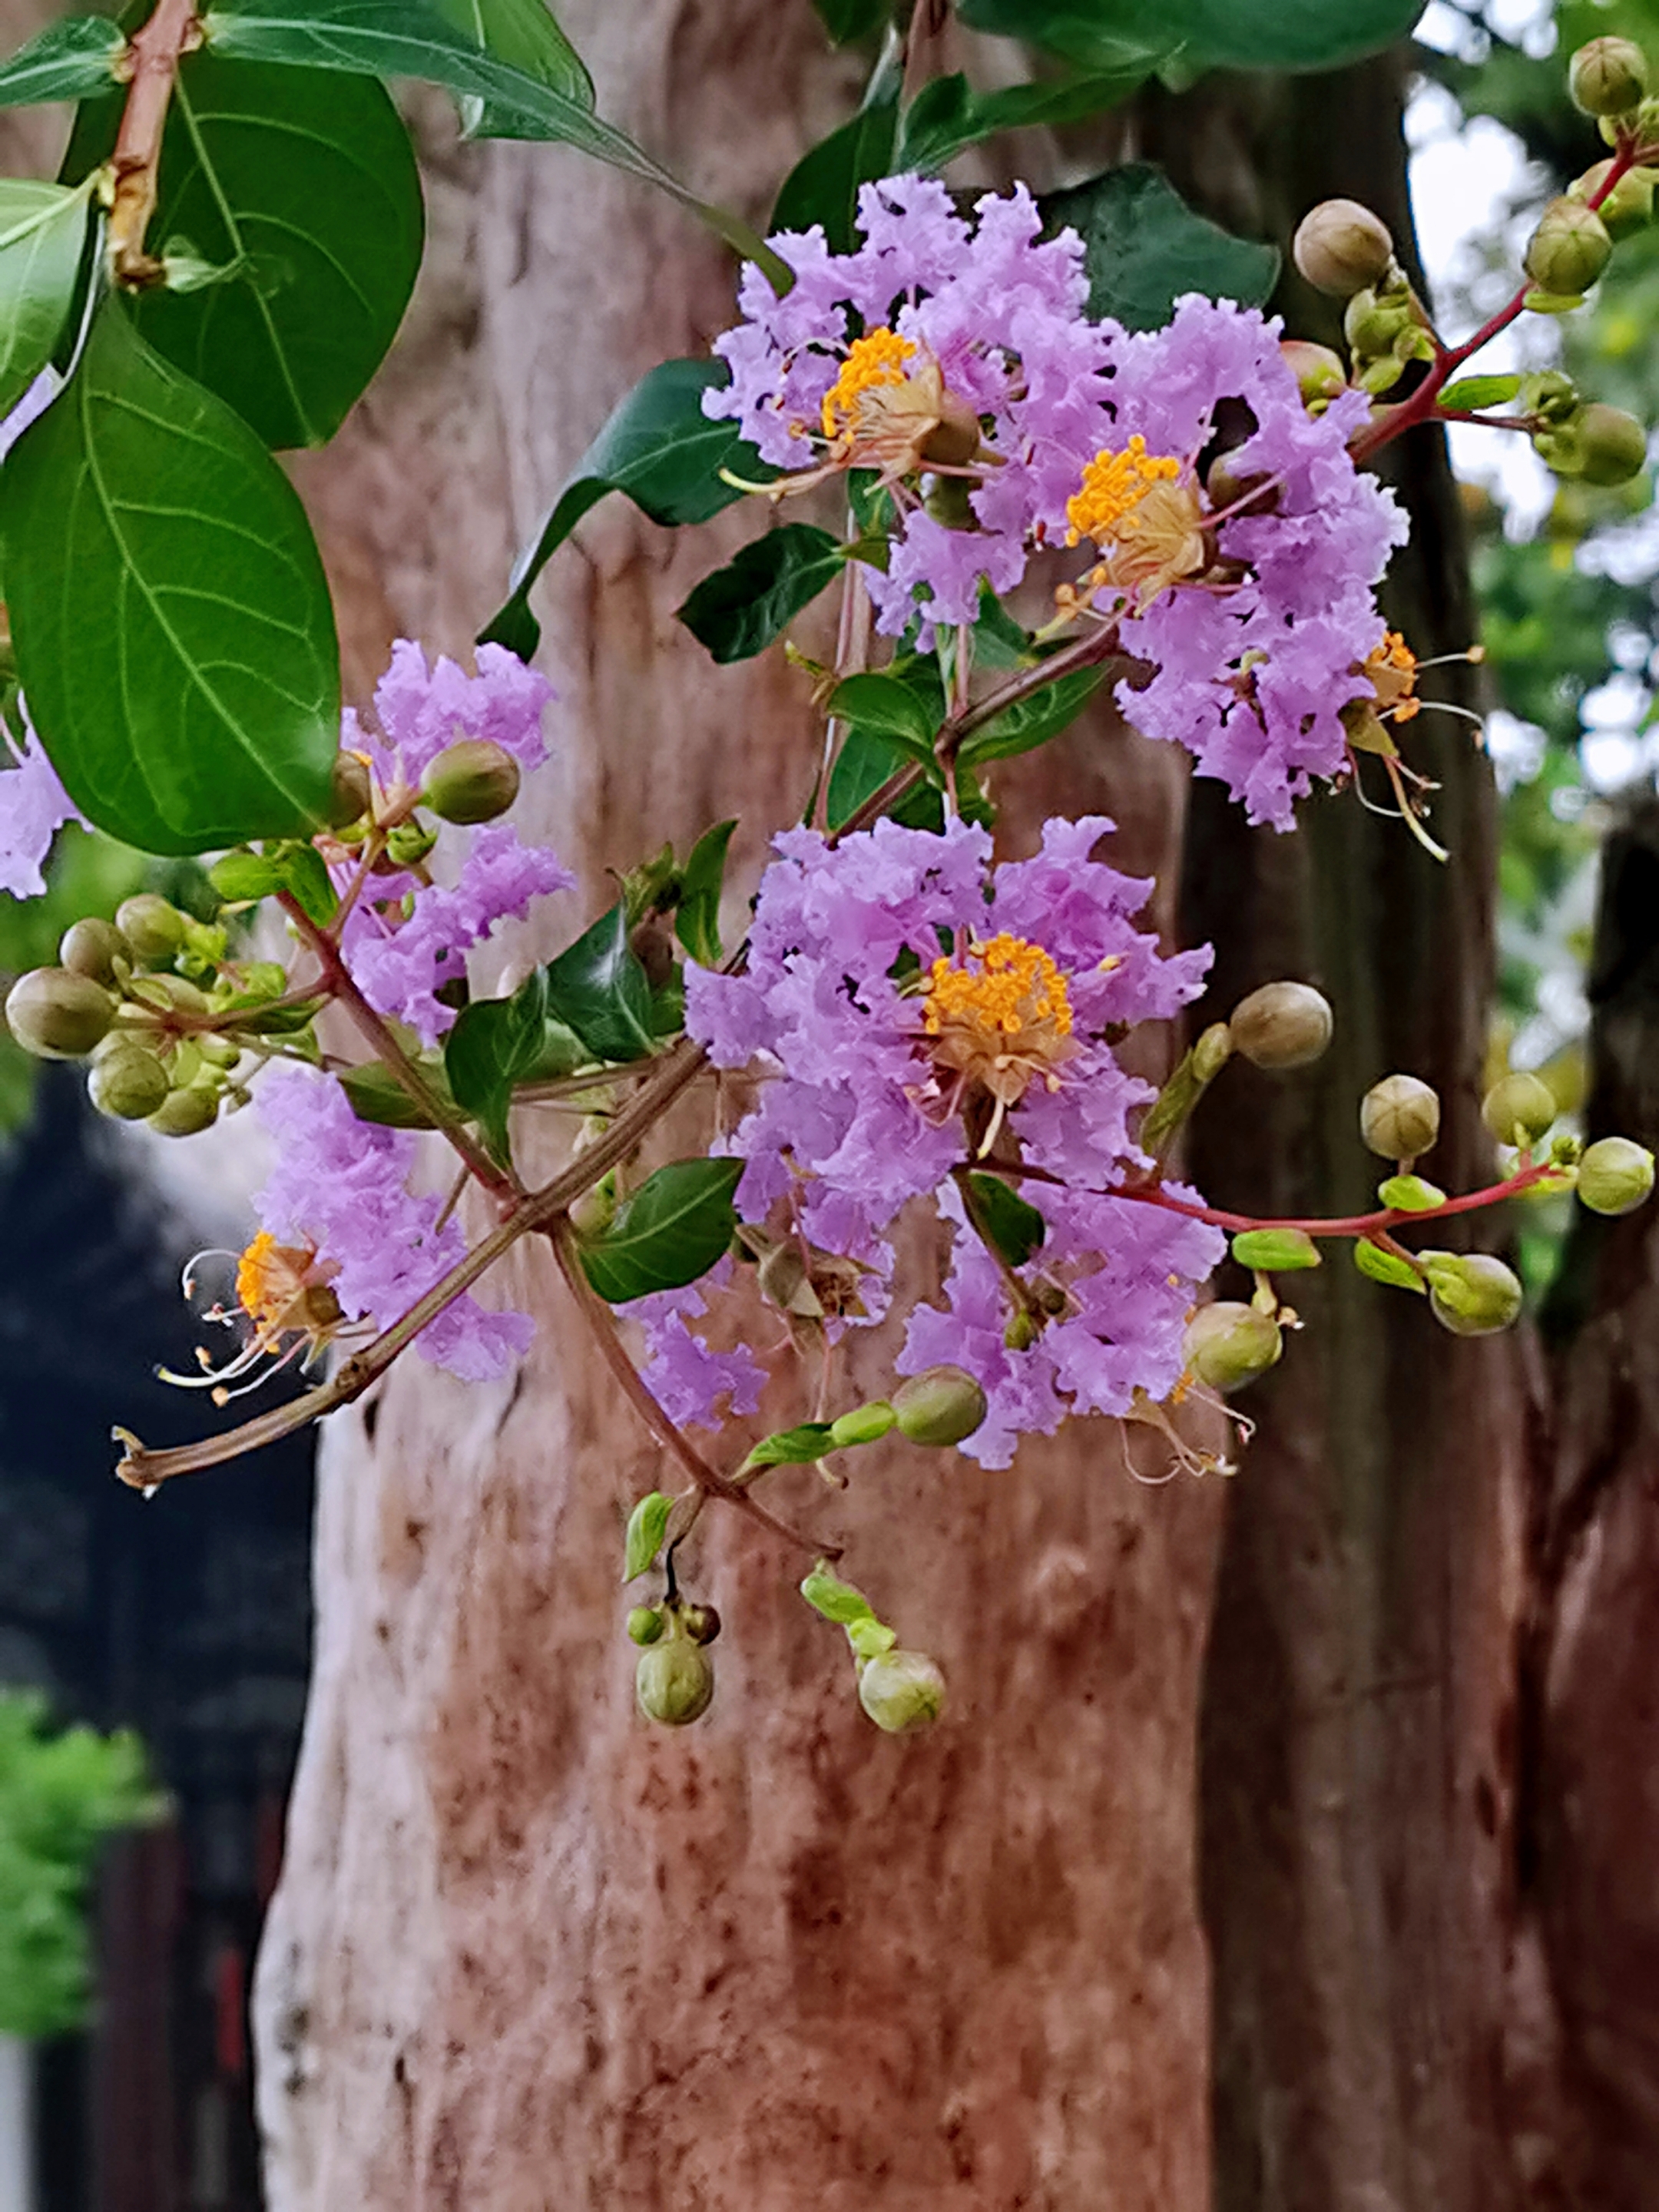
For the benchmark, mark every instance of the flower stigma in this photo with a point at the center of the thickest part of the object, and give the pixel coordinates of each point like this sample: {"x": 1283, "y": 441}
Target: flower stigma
{"x": 283, "y": 1296}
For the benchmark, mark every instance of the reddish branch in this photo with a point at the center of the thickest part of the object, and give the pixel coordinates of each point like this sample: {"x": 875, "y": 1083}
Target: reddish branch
{"x": 152, "y": 61}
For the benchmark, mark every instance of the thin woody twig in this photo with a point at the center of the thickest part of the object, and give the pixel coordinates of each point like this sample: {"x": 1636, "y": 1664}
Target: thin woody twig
{"x": 153, "y": 57}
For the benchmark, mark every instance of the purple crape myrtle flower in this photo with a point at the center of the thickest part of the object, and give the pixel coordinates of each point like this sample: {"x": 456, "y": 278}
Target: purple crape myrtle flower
{"x": 33, "y": 807}
{"x": 696, "y": 1385}
{"x": 341, "y": 1187}
{"x": 937, "y": 345}
{"x": 422, "y": 709}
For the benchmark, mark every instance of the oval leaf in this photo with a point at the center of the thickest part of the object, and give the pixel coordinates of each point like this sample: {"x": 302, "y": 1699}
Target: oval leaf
{"x": 525, "y": 34}
{"x": 1409, "y": 1194}
{"x": 598, "y": 989}
{"x": 1013, "y": 1226}
{"x": 1144, "y": 247}
{"x": 1031, "y": 722}
{"x": 886, "y": 708}
{"x": 73, "y": 59}
{"x": 1275, "y": 1251}
{"x": 672, "y": 1230}
{"x": 801, "y": 1447}
{"x": 1247, "y": 34}
{"x": 947, "y": 116}
{"x": 739, "y": 609}
{"x": 169, "y": 613}
{"x": 697, "y": 909}
{"x": 1382, "y": 1267}
{"x": 648, "y": 1524}
{"x": 823, "y": 187}
{"x": 835, "y": 1600}
{"x": 43, "y": 228}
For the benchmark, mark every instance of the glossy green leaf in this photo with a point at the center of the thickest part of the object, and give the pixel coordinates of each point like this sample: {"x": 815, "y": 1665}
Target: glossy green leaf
{"x": 801, "y": 1447}
{"x": 1013, "y": 1226}
{"x": 863, "y": 764}
{"x": 598, "y": 989}
{"x": 526, "y": 34}
{"x": 888, "y": 707}
{"x": 296, "y": 867}
{"x": 1410, "y": 1193}
{"x": 303, "y": 185}
{"x": 846, "y": 20}
{"x": 495, "y": 1042}
{"x": 1480, "y": 391}
{"x": 169, "y": 613}
{"x": 376, "y": 1095}
{"x": 648, "y": 1524}
{"x": 672, "y": 1230}
{"x": 824, "y": 186}
{"x": 739, "y": 610}
{"x": 1281, "y": 1251}
{"x": 947, "y": 115}
{"x": 1247, "y": 34}
{"x": 659, "y": 447}
{"x": 835, "y": 1600}
{"x": 1386, "y": 1267}
{"x": 1032, "y": 721}
{"x": 1144, "y": 247}
{"x": 74, "y": 59}
{"x": 697, "y": 911}
{"x": 43, "y": 229}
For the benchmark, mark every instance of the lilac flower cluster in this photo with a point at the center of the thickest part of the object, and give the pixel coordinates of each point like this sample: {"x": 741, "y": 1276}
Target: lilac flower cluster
{"x": 691, "y": 1382}
{"x": 33, "y": 807}
{"x": 862, "y": 1109}
{"x": 341, "y": 1187}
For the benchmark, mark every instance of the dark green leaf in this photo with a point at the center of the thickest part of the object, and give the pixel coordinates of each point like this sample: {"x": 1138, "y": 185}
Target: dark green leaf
{"x": 846, "y": 20}
{"x": 1032, "y": 721}
{"x": 1015, "y": 1228}
{"x": 303, "y": 183}
{"x": 1480, "y": 391}
{"x": 495, "y": 1042}
{"x": 1144, "y": 247}
{"x": 798, "y": 1447}
{"x": 169, "y": 613}
{"x": 823, "y": 184}
{"x": 739, "y": 609}
{"x": 524, "y": 33}
{"x": 835, "y": 1600}
{"x": 887, "y": 707}
{"x": 947, "y": 116}
{"x": 998, "y": 641}
{"x": 864, "y": 763}
{"x": 296, "y": 867}
{"x": 43, "y": 228}
{"x": 1249, "y": 34}
{"x": 697, "y": 913}
{"x": 1385, "y": 1266}
{"x": 1275, "y": 1250}
{"x": 598, "y": 989}
{"x": 648, "y": 1524}
{"x": 377, "y": 1096}
{"x": 71, "y": 60}
{"x": 672, "y": 1230}
{"x": 659, "y": 448}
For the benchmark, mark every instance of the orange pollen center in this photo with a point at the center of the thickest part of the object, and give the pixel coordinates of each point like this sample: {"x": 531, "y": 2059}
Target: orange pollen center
{"x": 876, "y": 359}
{"x": 269, "y": 1279}
{"x": 1003, "y": 1015}
{"x": 1107, "y": 507}
{"x": 1392, "y": 668}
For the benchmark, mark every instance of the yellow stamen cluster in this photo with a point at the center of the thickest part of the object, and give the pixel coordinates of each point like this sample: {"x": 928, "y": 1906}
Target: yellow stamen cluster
{"x": 1392, "y": 668}
{"x": 875, "y": 360}
{"x": 1000, "y": 1017}
{"x": 1113, "y": 486}
{"x": 269, "y": 1278}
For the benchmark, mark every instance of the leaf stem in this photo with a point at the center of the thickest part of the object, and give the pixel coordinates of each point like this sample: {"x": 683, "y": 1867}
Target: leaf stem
{"x": 153, "y": 57}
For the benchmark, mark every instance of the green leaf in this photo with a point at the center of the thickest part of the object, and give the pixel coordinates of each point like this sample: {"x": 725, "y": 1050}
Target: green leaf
{"x": 496, "y": 1043}
{"x": 870, "y": 1638}
{"x": 947, "y": 116}
{"x": 377, "y": 1096}
{"x": 835, "y": 1600}
{"x": 648, "y": 1524}
{"x": 1247, "y": 34}
{"x": 672, "y": 1230}
{"x": 1385, "y": 1266}
{"x": 998, "y": 641}
{"x": 1013, "y": 1225}
{"x": 303, "y": 185}
{"x": 888, "y": 707}
{"x": 43, "y": 229}
{"x": 1144, "y": 246}
{"x": 72, "y": 60}
{"x": 739, "y": 610}
{"x": 297, "y": 868}
{"x": 862, "y": 767}
{"x": 524, "y": 33}
{"x": 169, "y": 613}
{"x": 847, "y": 20}
{"x": 1031, "y": 721}
{"x": 598, "y": 988}
{"x": 697, "y": 911}
{"x": 823, "y": 184}
{"x": 659, "y": 447}
{"x": 801, "y": 1447}
{"x": 1278, "y": 1251}
{"x": 1480, "y": 391}
{"x": 1409, "y": 1194}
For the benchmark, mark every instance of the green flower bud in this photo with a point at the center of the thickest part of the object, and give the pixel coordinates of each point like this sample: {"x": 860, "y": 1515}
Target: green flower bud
{"x": 1612, "y": 446}
{"x": 902, "y": 1690}
{"x": 472, "y": 781}
{"x": 1228, "y": 1345}
{"x": 1614, "y": 1175}
{"x": 348, "y": 790}
{"x": 1627, "y": 208}
{"x": 127, "y": 1081}
{"x": 1609, "y": 76}
{"x": 700, "y": 1623}
{"x": 1551, "y": 393}
{"x": 1318, "y": 371}
{"x": 941, "y": 1406}
{"x": 674, "y": 1681}
{"x": 865, "y": 1424}
{"x": 1371, "y": 325}
{"x": 185, "y": 1113}
{"x": 57, "y": 1015}
{"x": 1399, "y": 1117}
{"x": 1021, "y": 1333}
{"x": 153, "y": 927}
{"x": 92, "y": 947}
{"x": 645, "y": 1624}
{"x": 1570, "y": 248}
{"x": 1470, "y": 1294}
{"x": 1342, "y": 247}
{"x": 1281, "y": 1025}
{"x": 1518, "y": 1110}
{"x": 406, "y": 846}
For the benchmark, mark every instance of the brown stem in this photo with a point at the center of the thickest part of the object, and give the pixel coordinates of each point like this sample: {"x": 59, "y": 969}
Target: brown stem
{"x": 153, "y": 57}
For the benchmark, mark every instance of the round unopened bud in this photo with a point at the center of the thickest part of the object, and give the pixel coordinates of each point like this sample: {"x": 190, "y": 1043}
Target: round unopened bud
{"x": 1399, "y": 1117}
{"x": 348, "y": 790}
{"x": 1612, "y": 446}
{"x": 185, "y": 1113}
{"x": 1317, "y": 369}
{"x": 1609, "y": 76}
{"x": 1341, "y": 247}
{"x": 902, "y": 1690}
{"x": 1281, "y": 1025}
{"x": 1470, "y": 1294}
{"x": 941, "y": 1406}
{"x": 645, "y": 1624}
{"x": 1228, "y": 1345}
{"x": 92, "y": 947}
{"x": 472, "y": 782}
{"x": 57, "y": 1015}
{"x": 1518, "y": 1110}
{"x": 1627, "y": 208}
{"x": 152, "y": 926}
{"x": 954, "y": 443}
{"x": 700, "y": 1623}
{"x": 674, "y": 1681}
{"x": 1570, "y": 248}
{"x": 127, "y": 1081}
{"x": 1615, "y": 1175}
